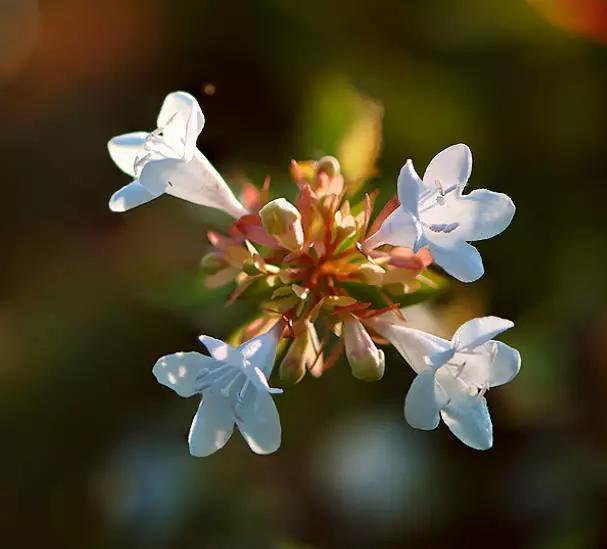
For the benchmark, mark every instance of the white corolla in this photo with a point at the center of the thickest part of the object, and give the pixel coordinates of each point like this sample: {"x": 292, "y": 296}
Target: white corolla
{"x": 166, "y": 160}
{"x": 453, "y": 376}
{"x": 434, "y": 212}
{"x": 234, "y": 388}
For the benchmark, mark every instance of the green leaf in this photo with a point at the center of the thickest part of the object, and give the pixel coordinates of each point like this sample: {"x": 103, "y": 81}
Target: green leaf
{"x": 377, "y": 296}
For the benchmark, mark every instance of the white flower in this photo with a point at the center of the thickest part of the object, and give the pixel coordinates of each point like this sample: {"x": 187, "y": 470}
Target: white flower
{"x": 453, "y": 376}
{"x": 166, "y": 160}
{"x": 433, "y": 212}
{"x": 234, "y": 388}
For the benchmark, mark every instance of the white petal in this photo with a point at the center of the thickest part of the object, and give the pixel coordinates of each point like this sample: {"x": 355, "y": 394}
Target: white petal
{"x": 450, "y": 168}
{"x": 261, "y": 350}
{"x": 259, "y": 423}
{"x": 477, "y": 331}
{"x": 222, "y": 351}
{"x": 414, "y": 345}
{"x": 179, "y": 371}
{"x": 480, "y": 214}
{"x": 212, "y": 425}
{"x": 424, "y": 401}
{"x": 409, "y": 187}
{"x": 125, "y": 149}
{"x": 130, "y": 196}
{"x": 182, "y": 121}
{"x": 400, "y": 228}
{"x": 470, "y": 422}
{"x": 460, "y": 259}
{"x": 439, "y": 358}
{"x": 466, "y": 415}
{"x": 491, "y": 364}
{"x": 193, "y": 129}
{"x": 506, "y": 364}
{"x": 196, "y": 181}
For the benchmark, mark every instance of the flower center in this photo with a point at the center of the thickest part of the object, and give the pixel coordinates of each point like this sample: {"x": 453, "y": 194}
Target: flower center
{"x": 156, "y": 146}
{"x": 222, "y": 381}
{"x": 432, "y": 198}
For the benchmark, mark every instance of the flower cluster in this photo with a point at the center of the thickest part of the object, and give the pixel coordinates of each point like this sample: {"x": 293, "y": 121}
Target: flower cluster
{"x": 328, "y": 278}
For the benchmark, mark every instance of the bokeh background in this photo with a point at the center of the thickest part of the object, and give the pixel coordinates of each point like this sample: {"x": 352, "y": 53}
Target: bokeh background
{"x": 94, "y": 451}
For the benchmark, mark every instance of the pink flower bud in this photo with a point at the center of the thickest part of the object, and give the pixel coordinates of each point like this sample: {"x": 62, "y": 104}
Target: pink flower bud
{"x": 366, "y": 360}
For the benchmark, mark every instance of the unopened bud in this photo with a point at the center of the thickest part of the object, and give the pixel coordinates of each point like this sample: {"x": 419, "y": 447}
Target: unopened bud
{"x": 283, "y": 221}
{"x": 366, "y": 360}
{"x": 329, "y": 165}
{"x": 213, "y": 263}
{"x": 371, "y": 273}
{"x": 303, "y": 354}
{"x": 249, "y": 267}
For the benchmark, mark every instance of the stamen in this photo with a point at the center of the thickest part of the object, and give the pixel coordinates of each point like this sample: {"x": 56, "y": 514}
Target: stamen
{"x": 241, "y": 394}
{"x": 240, "y": 399}
{"x": 206, "y": 379}
{"x": 444, "y": 227}
{"x": 225, "y": 391}
{"x": 140, "y": 161}
{"x": 439, "y": 187}
{"x": 460, "y": 368}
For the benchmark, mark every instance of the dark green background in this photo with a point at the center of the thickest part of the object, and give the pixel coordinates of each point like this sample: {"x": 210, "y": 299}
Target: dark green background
{"x": 94, "y": 451}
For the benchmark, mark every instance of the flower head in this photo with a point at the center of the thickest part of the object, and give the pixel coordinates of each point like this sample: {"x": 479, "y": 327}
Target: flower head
{"x": 166, "y": 160}
{"x": 434, "y": 212}
{"x": 327, "y": 278}
{"x": 234, "y": 388}
{"x": 453, "y": 376}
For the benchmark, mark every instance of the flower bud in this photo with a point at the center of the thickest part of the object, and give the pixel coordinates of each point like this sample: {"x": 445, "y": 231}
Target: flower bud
{"x": 371, "y": 273}
{"x": 283, "y": 221}
{"x": 212, "y": 263}
{"x": 329, "y": 165}
{"x": 303, "y": 354}
{"x": 366, "y": 360}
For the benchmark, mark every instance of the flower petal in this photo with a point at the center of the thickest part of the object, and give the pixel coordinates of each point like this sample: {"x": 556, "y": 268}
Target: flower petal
{"x": 477, "y": 331}
{"x": 449, "y": 168}
{"x": 470, "y": 422}
{"x": 196, "y": 181}
{"x": 222, "y": 351}
{"x": 181, "y": 120}
{"x": 414, "y": 345}
{"x": 400, "y": 228}
{"x": 179, "y": 371}
{"x": 493, "y": 363}
{"x": 466, "y": 415}
{"x": 409, "y": 187}
{"x": 506, "y": 364}
{"x": 480, "y": 214}
{"x": 460, "y": 259}
{"x": 212, "y": 425}
{"x": 261, "y": 350}
{"x": 259, "y": 422}
{"x": 130, "y": 196}
{"x": 126, "y": 149}
{"x": 424, "y": 401}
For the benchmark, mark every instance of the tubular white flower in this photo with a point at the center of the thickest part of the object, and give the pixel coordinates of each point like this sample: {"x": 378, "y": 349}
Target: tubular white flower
{"x": 166, "y": 160}
{"x": 453, "y": 376}
{"x": 434, "y": 212}
{"x": 234, "y": 388}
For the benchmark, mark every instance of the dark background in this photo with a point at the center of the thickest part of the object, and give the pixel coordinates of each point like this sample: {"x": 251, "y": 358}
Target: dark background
{"x": 94, "y": 451}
